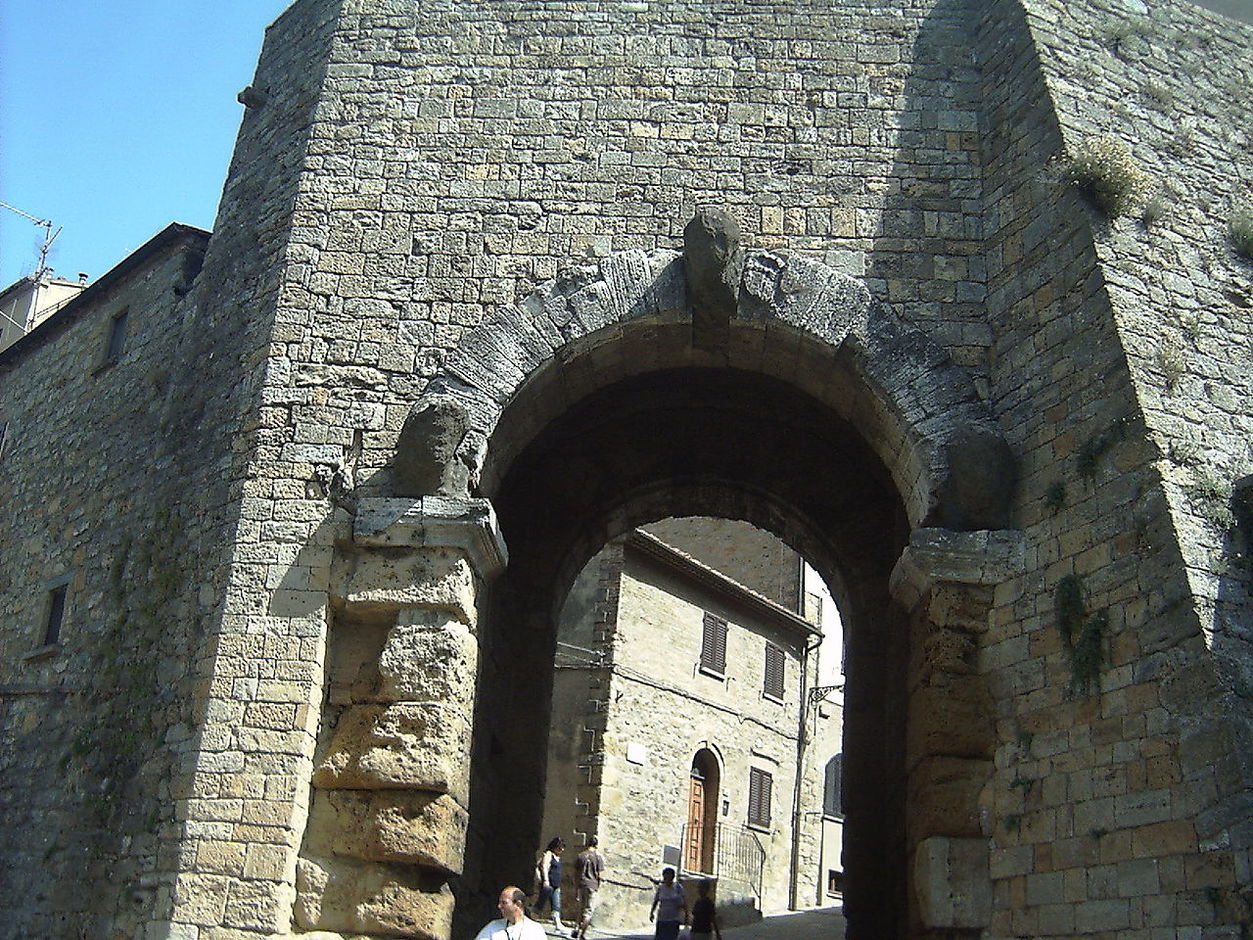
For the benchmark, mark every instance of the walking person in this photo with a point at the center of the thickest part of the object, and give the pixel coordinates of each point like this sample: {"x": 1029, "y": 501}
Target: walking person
{"x": 513, "y": 924}
{"x": 705, "y": 915}
{"x": 548, "y": 870}
{"x": 669, "y": 907}
{"x": 589, "y": 869}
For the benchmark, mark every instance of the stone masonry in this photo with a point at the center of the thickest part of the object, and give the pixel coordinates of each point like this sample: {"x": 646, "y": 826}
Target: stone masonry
{"x": 632, "y": 708}
{"x": 494, "y": 282}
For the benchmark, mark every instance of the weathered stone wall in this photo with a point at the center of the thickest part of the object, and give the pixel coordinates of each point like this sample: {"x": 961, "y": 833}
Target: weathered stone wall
{"x": 1098, "y": 807}
{"x": 458, "y": 158}
{"x": 95, "y": 723}
{"x": 1179, "y": 289}
{"x": 259, "y": 668}
{"x": 403, "y": 173}
{"x": 748, "y": 556}
{"x": 465, "y": 156}
{"x": 585, "y": 632}
{"x": 1181, "y": 296}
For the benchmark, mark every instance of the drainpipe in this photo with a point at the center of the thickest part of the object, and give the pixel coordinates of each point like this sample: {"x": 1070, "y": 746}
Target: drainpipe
{"x": 797, "y": 815}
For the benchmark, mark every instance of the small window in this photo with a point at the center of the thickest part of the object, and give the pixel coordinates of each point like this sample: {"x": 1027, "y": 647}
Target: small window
{"x": 773, "y": 683}
{"x": 835, "y": 882}
{"x": 831, "y": 789}
{"x": 760, "y": 785}
{"x": 117, "y": 336}
{"x": 713, "y": 645}
{"x": 56, "y": 614}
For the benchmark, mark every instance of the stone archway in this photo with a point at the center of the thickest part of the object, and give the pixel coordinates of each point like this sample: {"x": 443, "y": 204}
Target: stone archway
{"x": 654, "y": 385}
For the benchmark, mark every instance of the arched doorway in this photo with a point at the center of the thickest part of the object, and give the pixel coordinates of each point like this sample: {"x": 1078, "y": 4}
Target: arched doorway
{"x": 699, "y": 835}
{"x": 602, "y": 404}
{"x": 723, "y": 443}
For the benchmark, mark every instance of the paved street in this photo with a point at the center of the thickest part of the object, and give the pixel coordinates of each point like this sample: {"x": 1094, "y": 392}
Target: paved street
{"x": 825, "y": 923}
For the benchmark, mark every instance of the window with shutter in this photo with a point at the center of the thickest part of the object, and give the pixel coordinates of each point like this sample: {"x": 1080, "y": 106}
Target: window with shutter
{"x": 831, "y": 791}
{"x": 773, "y": 683}
{"x": 713, "y": 646}
{"x": 760, "y": 784}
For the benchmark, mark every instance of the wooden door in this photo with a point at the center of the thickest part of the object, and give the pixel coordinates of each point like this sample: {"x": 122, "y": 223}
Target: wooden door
{"x": 694, "y": 850}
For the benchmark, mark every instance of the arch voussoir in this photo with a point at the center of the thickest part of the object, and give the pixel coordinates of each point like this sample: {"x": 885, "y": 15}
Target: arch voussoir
{"x": 602, "y": 322}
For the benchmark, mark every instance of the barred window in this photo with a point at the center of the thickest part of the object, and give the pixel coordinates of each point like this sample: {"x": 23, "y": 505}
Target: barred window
{"x": 760, "y": 784}
{"x": 713, "y": 645}
{"x": 773, "y": 683}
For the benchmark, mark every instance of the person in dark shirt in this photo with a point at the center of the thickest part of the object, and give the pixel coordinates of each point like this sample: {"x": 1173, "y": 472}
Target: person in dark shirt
{"x": 589, "y": 869}
{"x": 548, "y": 872}
{"x": 704, "y": 915}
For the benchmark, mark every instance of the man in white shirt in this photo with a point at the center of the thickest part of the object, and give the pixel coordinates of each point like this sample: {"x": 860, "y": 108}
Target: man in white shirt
{"x": 513, "y": 923}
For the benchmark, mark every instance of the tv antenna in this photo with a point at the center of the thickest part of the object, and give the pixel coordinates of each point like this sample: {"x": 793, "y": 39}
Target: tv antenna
{"x": 49, "y": 237}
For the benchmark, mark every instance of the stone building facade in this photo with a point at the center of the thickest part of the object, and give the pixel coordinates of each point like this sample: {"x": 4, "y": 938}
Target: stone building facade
{"x": 453, "y": 333}
{"x": 677, "y": 719}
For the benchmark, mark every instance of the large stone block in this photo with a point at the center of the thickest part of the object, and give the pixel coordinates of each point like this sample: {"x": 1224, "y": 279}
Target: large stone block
{"x": 952, "y": 718}
{"x": 407, "y": 746}
{"x": 396, "y": 578}
{"x": 349, "y": 896}
{"x": 952, "y": 883}
{"x": 428, "y": 657}
{"x": 408, "y": 826}
{"x": 944, "y": 796}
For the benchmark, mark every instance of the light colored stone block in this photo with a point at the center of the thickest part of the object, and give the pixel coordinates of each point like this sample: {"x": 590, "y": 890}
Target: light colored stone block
{"x": 428, "y": 657}
{"x": 952, "y": 884}
{"x": 407, "y": 826}
{"x": 364, "y": 897}
{"x": 402, "y": 746}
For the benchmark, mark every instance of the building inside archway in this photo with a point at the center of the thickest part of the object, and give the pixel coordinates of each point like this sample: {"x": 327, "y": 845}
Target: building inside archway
{"x": 717, "y": 443}
{"x": 690, "y": 727}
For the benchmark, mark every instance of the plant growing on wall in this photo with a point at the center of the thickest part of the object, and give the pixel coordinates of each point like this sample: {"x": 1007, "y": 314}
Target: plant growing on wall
{"x": 1055, "y": 496}
{"x": 1090, "y": 452}
{"x": 1081, "y": 632}
{"x": 1210, "y": 496}
{"x": 1103, "y": 169}
{"x": 1241, "y": 229}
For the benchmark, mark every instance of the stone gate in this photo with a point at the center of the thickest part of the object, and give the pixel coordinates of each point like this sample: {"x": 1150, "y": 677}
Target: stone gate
{"x": 495, "y": 282}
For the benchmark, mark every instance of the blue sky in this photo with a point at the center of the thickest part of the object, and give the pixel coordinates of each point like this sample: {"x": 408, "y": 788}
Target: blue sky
{"x": 117, "y": 117}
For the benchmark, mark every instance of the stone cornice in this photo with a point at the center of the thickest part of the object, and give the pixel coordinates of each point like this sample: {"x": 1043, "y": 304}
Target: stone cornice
{"x": 434, "y": 522}
{"x": 934, "y": 556}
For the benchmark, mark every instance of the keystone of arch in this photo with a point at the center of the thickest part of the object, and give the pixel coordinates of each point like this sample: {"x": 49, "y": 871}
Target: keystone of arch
{"x": 919, "y": 411}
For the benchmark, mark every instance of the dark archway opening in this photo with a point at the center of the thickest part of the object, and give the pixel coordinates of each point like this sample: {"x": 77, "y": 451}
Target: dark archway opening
{"x": 712, "y": 442}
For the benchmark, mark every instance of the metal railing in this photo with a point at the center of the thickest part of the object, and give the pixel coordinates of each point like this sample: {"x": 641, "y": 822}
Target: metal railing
{"x": 737, "y": 855}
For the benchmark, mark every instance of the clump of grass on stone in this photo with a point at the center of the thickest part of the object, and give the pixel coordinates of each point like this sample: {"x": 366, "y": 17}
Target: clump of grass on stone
{"x": 1103, "y": 169}
{"x": 1241, "y": 228}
